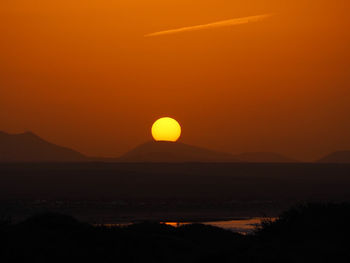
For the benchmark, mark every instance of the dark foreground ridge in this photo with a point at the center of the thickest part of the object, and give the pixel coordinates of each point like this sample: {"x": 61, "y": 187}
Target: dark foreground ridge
{"x": 305, "y": 233}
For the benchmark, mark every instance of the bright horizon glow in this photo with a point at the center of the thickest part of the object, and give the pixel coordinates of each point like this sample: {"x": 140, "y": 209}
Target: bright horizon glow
{"x": 166, "y": 129}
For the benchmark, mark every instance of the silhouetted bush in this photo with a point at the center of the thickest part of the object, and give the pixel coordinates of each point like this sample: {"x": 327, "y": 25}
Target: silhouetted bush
{"x": 304, "y": 233}
{"x": 5, "y": 221}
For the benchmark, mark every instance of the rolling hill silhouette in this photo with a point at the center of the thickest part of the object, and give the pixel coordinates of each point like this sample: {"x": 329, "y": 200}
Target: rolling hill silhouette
{"x": 174, "y": 152}
{"x": 28, "y": 147}
{"x": 336, "y": 157}
{"x": 264, "y": 157}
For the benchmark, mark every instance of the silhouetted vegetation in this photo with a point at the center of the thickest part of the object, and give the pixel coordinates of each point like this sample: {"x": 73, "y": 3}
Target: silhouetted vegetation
{"x": 305, "y": 233}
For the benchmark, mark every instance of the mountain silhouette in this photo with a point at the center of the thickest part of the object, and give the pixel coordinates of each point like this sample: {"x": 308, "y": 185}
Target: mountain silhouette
{"x": 174, "y": 152}
{"x": 336, "y": 157}
{"x": 264, "y": 157}
{"x": 28, "y": 147}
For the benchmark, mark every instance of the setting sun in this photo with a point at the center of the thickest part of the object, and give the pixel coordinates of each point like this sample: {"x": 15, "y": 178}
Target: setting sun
{"x": 166, "y": 129}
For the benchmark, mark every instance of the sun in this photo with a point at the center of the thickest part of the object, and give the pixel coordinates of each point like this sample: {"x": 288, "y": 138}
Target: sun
{"x": 166, "y": 129}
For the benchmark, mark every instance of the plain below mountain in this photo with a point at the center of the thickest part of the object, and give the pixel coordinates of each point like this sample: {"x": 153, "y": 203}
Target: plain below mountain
{"x": 264, "y": 157}
{"x": 174, "y": 152}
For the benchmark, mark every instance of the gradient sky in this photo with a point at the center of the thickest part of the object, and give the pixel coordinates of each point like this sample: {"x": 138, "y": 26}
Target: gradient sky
{"x": 80, "y": 73}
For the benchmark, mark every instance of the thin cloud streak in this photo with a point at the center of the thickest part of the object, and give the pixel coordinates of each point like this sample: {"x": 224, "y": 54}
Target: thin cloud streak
{"x": 225, "y": 23}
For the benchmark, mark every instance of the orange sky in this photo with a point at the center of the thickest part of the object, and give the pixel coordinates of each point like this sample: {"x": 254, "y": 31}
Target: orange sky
{"x": 80, "y": 73}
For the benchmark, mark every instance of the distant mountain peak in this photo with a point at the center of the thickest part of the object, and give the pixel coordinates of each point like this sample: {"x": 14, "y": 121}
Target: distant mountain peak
{"x": 29, "y": 147}
{"x": 336, "y": 157}
{"x": 29, "y": 134}
{"x": 26, "y": 133}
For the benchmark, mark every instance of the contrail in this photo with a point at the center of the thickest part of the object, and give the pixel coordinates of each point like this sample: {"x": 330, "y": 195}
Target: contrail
{"x": 230, "y": 22}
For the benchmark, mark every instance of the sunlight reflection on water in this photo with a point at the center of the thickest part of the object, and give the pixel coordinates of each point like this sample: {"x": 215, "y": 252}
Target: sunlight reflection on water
{"x": 243, "y": 226}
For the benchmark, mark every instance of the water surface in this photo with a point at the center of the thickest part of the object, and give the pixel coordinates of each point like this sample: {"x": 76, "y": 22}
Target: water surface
{"x": 244, "y": 226}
